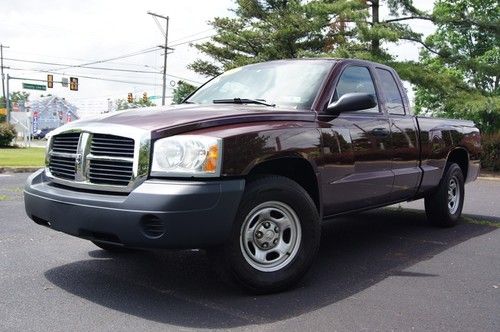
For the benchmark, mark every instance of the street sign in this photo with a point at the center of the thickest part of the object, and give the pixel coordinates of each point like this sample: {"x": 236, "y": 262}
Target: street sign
{"x": 64, "y": 82}
{"x": 3, "y": 111}
{"x": 31, "y": 86}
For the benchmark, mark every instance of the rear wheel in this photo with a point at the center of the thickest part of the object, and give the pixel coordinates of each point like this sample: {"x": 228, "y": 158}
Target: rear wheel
{"x": 275, "y": 236}
{"x": 444, "y": 206}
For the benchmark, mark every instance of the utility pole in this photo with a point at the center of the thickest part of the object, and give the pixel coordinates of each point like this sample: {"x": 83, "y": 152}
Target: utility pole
{"x": 164, "y": 88}
{"x": 1, "y": 69}
{"x": 8, "y": 100}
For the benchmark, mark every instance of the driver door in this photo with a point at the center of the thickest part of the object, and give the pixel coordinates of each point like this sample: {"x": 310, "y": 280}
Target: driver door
{"x": 357, "y": 173}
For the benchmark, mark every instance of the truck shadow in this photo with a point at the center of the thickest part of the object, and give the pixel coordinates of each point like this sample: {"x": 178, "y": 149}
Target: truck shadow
{"x": 180, "y": 288}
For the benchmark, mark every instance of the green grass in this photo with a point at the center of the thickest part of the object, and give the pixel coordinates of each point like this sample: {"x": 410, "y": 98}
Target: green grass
{"x": 28, "y": 157}
{"x": 481, "y": 222}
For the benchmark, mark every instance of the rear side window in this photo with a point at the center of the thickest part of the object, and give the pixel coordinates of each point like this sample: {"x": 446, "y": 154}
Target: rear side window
{"x": 392, "y": 96}
{"x": 355, "y": 79}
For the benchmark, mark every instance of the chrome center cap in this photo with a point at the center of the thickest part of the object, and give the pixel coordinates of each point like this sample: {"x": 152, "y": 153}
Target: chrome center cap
{"x": 267, "y": 235}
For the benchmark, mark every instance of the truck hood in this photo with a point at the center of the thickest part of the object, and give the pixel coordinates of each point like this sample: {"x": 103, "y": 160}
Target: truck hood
{"x": 170, "y": 120}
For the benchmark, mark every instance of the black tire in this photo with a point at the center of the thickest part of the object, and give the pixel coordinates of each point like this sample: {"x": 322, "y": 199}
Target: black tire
{"x": 438, "y": 207}
{"x": 111, "y": 247}
{"x": 283, "y": 193}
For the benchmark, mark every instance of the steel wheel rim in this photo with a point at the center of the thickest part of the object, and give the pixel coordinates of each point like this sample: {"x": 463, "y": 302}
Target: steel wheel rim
{"x": 453, "y": 195}
{"x": 270, "y": 236}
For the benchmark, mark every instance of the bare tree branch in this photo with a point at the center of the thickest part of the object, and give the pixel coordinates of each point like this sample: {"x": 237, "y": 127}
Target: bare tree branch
{"x": 423, "y": 44}
{"x": 428, "y": 18}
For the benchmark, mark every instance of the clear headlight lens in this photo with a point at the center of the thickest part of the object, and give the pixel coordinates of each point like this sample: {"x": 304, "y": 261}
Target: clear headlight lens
{"x": 187, "y": 155}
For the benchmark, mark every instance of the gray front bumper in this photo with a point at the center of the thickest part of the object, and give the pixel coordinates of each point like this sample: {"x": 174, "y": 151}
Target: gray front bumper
{"x": 192, "y": 214}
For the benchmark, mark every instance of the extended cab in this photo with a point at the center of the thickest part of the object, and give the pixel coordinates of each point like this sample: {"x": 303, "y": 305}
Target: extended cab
{"x": 251, "y": 164}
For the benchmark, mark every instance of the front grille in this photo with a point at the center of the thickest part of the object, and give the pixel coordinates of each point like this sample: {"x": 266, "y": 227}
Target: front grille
{"x": 113, "y": 146}
{"x": 93, "y": 161}
{"x": 66, "y": 143}
{"x": 110, "y": 172}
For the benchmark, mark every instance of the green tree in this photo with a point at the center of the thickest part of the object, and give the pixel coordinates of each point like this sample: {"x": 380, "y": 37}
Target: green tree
{"x": 275, "y": 29}
{"x": 123, "y": 104}
{"x": 464, "y": 57}
{"x": 272, "y": 29}
{"x": 181, "y": 91}
{"x": 18, "y": 96}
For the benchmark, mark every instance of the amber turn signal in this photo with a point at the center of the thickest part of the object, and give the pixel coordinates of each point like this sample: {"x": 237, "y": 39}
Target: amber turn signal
{"x": 210, "y": 165}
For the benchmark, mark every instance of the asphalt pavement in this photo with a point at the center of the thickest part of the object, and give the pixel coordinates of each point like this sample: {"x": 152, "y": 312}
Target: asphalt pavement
{"x": 386, "y": 269}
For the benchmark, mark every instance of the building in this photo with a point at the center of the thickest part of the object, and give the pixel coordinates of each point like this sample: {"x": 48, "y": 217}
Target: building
{"x": 51, "y": 112}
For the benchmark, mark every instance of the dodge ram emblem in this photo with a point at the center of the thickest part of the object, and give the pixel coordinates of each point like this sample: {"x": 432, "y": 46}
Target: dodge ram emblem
{"x": 78, "y": 160}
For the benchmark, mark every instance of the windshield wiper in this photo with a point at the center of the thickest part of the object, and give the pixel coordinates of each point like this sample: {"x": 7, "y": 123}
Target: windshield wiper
{"x": 243, "y": 101}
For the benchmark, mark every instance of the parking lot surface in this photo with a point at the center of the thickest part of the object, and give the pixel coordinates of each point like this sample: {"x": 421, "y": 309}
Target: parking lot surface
{"x": 385, "y": 269}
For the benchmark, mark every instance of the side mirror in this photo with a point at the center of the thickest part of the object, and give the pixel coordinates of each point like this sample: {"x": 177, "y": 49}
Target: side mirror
{"x": 352, "y": 102}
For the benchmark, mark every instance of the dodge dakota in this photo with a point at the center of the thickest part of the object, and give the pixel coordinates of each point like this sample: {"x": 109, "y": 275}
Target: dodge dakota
{"x": 250, "y": 165}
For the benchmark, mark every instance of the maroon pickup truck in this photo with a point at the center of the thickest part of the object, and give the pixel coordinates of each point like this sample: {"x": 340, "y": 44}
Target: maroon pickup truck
{"x": 250, "y": 165}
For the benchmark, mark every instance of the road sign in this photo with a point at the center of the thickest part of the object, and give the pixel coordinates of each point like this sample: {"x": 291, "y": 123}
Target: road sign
{"x": 64, "y": 82}
{"x": 31, "y": 86}
{"x": 3, "y": 111}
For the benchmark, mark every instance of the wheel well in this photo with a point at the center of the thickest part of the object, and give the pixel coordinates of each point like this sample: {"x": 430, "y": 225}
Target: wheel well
{"x": 296, "y": 169}
{"x": 461, "y": 158}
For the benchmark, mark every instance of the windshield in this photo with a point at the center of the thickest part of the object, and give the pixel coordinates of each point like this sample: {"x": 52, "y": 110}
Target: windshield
{"x": 284, "y": 84}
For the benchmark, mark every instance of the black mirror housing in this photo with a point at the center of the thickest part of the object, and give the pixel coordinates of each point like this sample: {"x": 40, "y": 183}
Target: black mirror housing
{"x": 352, "y": 102}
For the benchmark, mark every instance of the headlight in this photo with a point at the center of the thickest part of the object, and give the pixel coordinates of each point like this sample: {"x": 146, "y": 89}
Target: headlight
{"x": 187, "y": 155}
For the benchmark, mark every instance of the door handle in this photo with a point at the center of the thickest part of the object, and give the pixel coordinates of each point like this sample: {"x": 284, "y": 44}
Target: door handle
{"x": 380, "y": 132}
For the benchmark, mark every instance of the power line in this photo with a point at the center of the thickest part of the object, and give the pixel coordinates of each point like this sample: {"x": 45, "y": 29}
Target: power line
{"x": 192, "y": 35}
{"x": 106, "y": 79}
{"x": 147, "y": 50}
{"x": 192, "y": 40}
{"x": 80, "y": 59}
{"x": 90, "y": 77}
{"x": 86, "y": 67}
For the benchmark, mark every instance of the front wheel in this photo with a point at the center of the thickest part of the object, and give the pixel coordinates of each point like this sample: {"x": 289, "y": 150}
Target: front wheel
{"x": 444, "y": 206}
{"x": 275, "y": 236}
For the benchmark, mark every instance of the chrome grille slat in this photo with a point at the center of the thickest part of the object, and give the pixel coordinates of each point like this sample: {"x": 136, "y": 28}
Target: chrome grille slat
{"x": 106, "y": 170}
{"x": 99, "y": 165}
{"x": 58, "y": 160}
{"x": 105, "y": 137}
{"x": 113, "y": 153}
{"x": 97, "y": 142}
{"x": 113, "y": 173}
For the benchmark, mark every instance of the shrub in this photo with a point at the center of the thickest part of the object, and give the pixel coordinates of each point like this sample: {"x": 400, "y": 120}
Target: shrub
{"x": 490, "y": 158}
{"x": 7, "y": 134}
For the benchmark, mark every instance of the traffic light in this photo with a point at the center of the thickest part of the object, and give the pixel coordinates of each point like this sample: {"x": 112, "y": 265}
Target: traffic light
{"x": 50, "y": 81}
{"x": 145, "y": 97}
{"x": 130, "y": 97}
{"x": 73, "y": 83}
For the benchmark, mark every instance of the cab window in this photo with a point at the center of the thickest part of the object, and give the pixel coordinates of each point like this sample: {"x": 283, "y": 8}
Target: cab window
{"x": 392, "y": 96}
{"x": 355, "y": 79}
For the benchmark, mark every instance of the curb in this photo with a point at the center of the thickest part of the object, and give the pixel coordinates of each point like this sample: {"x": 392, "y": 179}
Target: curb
{"x": 22, "y": 169}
